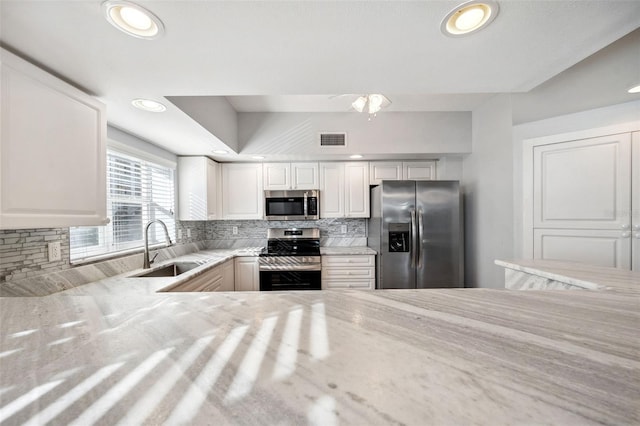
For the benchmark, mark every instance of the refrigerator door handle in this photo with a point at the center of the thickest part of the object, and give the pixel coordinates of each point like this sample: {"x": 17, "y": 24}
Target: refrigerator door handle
{"x": 414, "y": 238}
{"x": 420, "y": 238}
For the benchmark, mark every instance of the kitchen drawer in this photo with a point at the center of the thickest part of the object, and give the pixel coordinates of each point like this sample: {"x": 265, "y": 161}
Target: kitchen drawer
{"x": 350, "y": 273}
{"x": 348, "y": 261}
{"x": 348, "y": 283}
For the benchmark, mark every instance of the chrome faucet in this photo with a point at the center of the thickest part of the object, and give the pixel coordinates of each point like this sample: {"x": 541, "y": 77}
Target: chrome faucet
{"x": 147, "y": 263}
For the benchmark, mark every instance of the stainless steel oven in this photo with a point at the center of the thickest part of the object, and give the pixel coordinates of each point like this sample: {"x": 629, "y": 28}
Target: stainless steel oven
{"x": 291, "y": 205}
{"x": 291, "y": 260}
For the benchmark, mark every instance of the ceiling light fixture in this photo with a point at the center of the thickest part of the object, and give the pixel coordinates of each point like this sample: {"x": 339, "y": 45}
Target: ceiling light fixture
{"x": 371, "y": 104}
{"x": 148, "y": 105}
{"x": 634, "y": 89}
{"x": 133, "y": 19}
{"x": 220, "y": 151}
{"x": 469, "y": 17}
{"x": 355, "y": 156}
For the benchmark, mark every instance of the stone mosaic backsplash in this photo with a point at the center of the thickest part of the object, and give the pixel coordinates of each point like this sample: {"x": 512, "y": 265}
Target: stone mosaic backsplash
{"x": 223, "y": 229}
{"x": 23, "y": 252}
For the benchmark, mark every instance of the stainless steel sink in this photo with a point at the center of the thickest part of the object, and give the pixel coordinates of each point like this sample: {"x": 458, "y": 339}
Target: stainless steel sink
{"x": 171, "y": 270}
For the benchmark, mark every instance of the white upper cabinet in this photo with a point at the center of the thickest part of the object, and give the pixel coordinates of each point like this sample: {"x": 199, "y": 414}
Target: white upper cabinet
{"x": 384, "y": 170}
{"x": 401, "y": 170}
{"x": 277, "y": 176}
{"x": 356, "y": 189}
{"x": 199, "y": 193}
{"x": 419, "y": 170}
{"x": 52, "y": 151}
{"x": 285, "y": 176}
{"x": 242, "y": 191}
{"x": 304, "y": 176}
{"x": 344, "y": 189}
{"x": 331, "y": 190}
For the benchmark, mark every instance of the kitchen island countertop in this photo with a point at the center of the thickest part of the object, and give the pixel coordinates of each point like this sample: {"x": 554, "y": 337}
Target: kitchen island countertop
{"x": 119, "y": 352}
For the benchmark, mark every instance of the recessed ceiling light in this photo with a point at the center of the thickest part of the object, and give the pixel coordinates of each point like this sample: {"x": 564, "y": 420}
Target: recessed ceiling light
{"x": 469, "y": 17}
{"x": 634, "y": 89}
{"x": 355, "y": 156}
{"x": 148, "y": 105}
{"x": 220, "y": 151}
{"x": 132, "y": 19}
{"x": 258, "y": 157}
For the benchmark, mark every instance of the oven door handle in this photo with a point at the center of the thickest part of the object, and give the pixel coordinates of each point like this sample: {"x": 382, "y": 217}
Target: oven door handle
{"x": 275, "y": 268}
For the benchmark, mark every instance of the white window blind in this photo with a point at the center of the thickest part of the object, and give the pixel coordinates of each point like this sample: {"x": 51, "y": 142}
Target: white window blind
{"x": 137, "y": 191}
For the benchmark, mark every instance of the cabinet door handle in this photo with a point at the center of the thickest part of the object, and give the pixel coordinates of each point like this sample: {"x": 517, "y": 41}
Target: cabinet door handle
{"x": 626, "y": 234}
{"x": 625, "y": 226}
{"x": 637, "y": 235}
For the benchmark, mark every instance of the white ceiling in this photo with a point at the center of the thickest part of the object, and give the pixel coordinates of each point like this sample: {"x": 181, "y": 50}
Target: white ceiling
{"x": 298, "y": 55}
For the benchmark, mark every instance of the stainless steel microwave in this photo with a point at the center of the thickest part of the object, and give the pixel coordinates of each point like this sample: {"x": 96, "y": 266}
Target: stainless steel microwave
{"x": 292, "y": 205}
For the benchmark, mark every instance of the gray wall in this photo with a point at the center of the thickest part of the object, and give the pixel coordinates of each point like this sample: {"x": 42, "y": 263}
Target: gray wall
{"x": 487, "y": 180}
{"x": 214, "y": 113}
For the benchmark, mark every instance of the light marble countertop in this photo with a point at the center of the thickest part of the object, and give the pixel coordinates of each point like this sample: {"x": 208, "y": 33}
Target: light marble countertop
{"x": 580, "y": 275}
{"x": 328, "y": 251}
{"x": 116, "y": 352}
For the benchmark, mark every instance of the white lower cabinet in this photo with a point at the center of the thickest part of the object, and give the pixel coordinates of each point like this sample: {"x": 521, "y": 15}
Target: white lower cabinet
{"x": 228, "y": 276}
{"x": 247, "y": 274}
{"x": 348, "y": 271}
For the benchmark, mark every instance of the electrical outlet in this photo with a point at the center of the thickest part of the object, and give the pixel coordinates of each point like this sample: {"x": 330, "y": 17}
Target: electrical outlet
{"x": 179, "y": 234}
{"x": 343, "y": 229}
{"x": 54, "y": 251}
{"x": 234, "y": 230}
{"x": 188, "y": 232}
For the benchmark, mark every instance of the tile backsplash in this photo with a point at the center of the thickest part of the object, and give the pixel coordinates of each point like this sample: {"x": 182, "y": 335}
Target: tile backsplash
{"x": 223, "y": 229}
{"x": 23, "y": 252}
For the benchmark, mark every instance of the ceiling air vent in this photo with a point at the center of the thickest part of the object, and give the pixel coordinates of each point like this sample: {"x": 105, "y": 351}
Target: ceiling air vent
{"x": 333, "y": 140}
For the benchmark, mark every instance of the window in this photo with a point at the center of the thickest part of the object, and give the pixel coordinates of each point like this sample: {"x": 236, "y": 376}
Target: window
{"x": 137, "y": 191}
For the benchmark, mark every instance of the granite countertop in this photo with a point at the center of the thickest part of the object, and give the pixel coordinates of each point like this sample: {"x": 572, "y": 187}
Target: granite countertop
{"x": 328, "y": 251}
{"x": 119, "y": 353}
{"x": 577, "y": 274}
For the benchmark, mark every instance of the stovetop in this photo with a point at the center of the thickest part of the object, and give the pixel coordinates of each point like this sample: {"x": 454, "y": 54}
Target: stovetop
{"x": 292, "y": 242}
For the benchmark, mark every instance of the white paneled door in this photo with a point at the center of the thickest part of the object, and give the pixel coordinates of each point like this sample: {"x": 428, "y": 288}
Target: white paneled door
{"x": 583, "y": 184}
{"x": 582, "y": 201}
{"x": 592, "y": 246}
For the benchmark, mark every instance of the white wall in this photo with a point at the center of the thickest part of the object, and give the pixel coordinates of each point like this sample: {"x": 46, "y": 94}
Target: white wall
{"x": 393, "y": 133}
{"x": 487, "y": 180}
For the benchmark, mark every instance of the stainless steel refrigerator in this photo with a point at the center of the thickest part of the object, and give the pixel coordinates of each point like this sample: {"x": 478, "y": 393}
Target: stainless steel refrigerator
{"x": 417, "y": 229}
